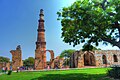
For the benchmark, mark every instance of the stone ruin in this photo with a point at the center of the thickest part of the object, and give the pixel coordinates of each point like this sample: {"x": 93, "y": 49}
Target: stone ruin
{"x": 4, "y": 64}
{"x": 97, "y": 58}
{"x": 58, "y": 62}
{"x": 40, "y": 60}
{"x": 40, "y": 52}
{"x": 16, "y": 58}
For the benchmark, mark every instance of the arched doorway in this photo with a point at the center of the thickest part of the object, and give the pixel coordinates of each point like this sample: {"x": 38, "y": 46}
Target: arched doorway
{"x": 115, "y": 58}
{"x": 89, "y": 59}
{"x": 48, "y": 57}
{"x": 104, "y": 59}
{"x": 51, "y": 61}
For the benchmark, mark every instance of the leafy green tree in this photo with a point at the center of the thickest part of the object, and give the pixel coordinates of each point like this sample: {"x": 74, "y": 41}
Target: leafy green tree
{"x": 66, "y": 54}
{"x": 88, "y": 47}
{"x": 4, "y": 59}
{"x": 91, "y": 22}
{"x": 29, "y": 62}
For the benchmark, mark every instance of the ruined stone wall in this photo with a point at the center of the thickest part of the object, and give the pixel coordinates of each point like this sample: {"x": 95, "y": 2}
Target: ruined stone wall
{"x": 77, "y": 58}
{"x": 39, "y": 61}
{"x": 2, "y": 64}
{"x": 16, "y": 58}
{"x": 58, "y": 62}
{"x": 80, "y": 60}
{"x": 109, "y": 57}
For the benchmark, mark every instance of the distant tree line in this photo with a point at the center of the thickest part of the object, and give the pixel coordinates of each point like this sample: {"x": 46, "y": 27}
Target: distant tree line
{"x": 29, "y": 62}
{"x": 4, "y": 59}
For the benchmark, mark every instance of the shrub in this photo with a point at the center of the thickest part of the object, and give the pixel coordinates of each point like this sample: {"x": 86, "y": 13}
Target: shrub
{"x": 9, "y": 72}
{"x": 114, "y": 72}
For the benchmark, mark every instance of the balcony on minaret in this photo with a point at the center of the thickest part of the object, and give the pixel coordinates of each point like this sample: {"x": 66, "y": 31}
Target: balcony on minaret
{"x": 41, "y": 11}
{"x": 41, "y": 15}
{"x": 40, "y": 30}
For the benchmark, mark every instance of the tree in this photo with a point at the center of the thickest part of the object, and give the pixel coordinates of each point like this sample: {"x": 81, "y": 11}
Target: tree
{"x": 91, "y": 22}
{"x": 4, "y": 59}
{"x": 66, "y": 54}
{"x": 29, "y": 62}
{"x": 87, "y": 47}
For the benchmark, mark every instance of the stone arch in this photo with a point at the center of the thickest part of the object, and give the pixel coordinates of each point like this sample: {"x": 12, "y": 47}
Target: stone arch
{"x": 115, "y": 58}
{"x": 51, "y": 53}
{"x": 104, "y": 59}
{"x": 89, "y": 59}
{"x": 51, "y": 58}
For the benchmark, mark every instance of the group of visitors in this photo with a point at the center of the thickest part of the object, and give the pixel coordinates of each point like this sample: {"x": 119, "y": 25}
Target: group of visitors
{"x": 22, "y": 68}
{"x": 49, "y": 67}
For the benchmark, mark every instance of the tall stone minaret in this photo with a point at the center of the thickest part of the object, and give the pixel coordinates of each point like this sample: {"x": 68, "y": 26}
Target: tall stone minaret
{"x": 40, "y": 52}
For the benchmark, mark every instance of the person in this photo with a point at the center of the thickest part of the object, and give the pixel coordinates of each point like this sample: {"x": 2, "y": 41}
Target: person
{"x": 56, "y": 67}
{"x": 10, "y": 67}
{"x": 48, "y": 67}
{"x": 17, "y": 69}
{"x": 3, "y": 69}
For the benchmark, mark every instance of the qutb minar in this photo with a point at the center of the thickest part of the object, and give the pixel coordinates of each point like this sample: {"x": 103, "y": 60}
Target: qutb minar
{"x": 40, "y": 52}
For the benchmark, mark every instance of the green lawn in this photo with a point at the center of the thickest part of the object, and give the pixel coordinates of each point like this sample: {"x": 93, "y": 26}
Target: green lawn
{"x": 0, "y": 71}
{"x": 78, "y": 74}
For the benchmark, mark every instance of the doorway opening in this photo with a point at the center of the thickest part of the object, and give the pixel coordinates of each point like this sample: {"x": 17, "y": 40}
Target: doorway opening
{"x": 89, "y": 59}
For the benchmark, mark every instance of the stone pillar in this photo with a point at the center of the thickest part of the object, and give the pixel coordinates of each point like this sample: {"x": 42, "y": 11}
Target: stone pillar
{"x": 16, "y": 58}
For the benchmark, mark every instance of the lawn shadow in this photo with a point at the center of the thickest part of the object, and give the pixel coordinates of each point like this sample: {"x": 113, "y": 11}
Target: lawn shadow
{"x": 76, "y": 76}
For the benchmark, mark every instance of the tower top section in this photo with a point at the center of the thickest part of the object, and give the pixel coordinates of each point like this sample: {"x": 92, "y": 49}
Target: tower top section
{"x": 41, "y": 15}
{"x": 41, "y": 43}
{"x": 41, "y": 11}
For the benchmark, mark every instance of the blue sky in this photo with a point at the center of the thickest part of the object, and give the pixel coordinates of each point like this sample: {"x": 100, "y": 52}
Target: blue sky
{"x": 19, "y": 23}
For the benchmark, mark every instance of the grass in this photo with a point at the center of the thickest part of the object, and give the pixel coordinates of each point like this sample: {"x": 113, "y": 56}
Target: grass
{"x": 79, "y": 74}
{"x": 0, "y": 71}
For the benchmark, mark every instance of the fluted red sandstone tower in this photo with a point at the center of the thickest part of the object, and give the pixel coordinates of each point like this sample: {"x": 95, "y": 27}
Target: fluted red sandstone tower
{"x": 40, "y": 52}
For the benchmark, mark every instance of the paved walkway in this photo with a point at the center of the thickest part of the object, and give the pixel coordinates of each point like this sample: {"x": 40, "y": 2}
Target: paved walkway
{"x": 60, "y": 69}
{"x": 56, "y": 69}
{"x": 1, "y": 73}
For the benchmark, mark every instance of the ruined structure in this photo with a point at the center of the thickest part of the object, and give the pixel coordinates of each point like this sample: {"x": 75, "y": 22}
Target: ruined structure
{"x": 51, "y": 62}
{"x": 58, "y": 62}
{"x": 4, "y": 64}
{"x": 40, "y": 52}
{"x": 16, "y": 58}
{"x": 97, "y": 58}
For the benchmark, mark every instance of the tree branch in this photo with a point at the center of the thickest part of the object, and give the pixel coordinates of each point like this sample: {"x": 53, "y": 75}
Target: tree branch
{"x": 119, "y": 33}
{"x": 113, "y": 42}
{"x": 103, "y": 4}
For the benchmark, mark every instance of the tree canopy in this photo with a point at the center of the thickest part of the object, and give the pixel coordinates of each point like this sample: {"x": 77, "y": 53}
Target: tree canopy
{"x": 91, "y": 22}
{"x": 4, "y": 59}
{"x": 29, "y": 62}
{"x": 67, "y": 53}
{"x": 87, "y": 47}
